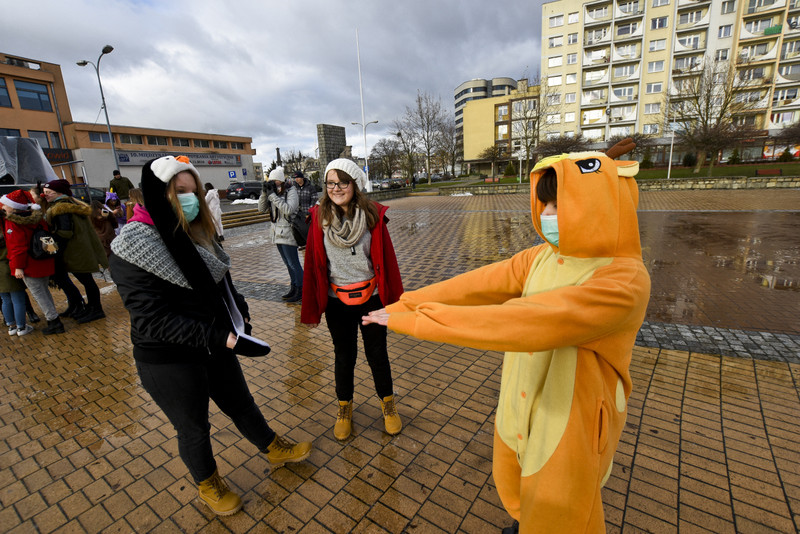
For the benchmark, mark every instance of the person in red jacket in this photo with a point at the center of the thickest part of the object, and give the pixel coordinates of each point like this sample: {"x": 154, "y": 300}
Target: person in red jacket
{"x": 22, "y": 217}
{"x": 350, "y": 270}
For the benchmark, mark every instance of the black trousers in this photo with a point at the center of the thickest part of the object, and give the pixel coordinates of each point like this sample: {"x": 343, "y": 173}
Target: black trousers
{"x": 62, "y": 280}
{"x": 343, "y": 323}
{"x": 182, "y": 391}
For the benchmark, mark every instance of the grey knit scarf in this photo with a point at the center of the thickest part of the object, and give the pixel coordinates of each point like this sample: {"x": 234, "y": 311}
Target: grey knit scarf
{"x": 140, "y": 244}
{"x": 345, "y": 232}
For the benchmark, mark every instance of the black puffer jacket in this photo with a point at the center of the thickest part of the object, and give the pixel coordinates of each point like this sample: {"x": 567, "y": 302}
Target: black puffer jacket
{"x": 169, "y": 323}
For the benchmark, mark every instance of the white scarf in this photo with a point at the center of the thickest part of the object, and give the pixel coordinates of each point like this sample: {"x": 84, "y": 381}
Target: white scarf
{"x": 345, "y": 232}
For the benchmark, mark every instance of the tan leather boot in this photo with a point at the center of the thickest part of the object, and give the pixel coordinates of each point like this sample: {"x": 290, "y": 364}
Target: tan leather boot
{"x": 217, "y": 496}
{"x": 391, "y": 419}
{"x": 281, "y": 451}
{"x": 344, "y": 420}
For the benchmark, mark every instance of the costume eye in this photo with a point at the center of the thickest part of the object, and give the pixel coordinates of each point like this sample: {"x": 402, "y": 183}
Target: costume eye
{"x": 588, "y": 165}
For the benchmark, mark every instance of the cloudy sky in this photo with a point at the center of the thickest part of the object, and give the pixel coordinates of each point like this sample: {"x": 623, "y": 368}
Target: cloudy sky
{"x": 271, "y": 70}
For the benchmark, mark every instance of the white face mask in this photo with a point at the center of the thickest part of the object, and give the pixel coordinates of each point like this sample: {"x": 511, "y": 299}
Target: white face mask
{"x": 550, "y": 228}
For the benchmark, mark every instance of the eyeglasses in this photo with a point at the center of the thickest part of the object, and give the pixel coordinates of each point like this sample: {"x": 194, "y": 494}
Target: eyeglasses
{"x": 340, "y": 185}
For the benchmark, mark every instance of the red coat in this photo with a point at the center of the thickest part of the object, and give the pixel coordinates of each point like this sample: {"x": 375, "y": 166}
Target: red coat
{"x": 315, "y": 274}
{"x": 19, "y": 231}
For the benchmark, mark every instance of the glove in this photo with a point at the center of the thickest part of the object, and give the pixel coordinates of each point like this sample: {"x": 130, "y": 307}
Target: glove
{"x": 248, "y": 328}
{"x": 246, "y": 347}
{"x": 266, "y": 187}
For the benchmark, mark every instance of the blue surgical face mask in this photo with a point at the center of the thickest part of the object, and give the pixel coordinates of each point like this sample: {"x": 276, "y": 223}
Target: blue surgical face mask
{"x": 190, "y": 205}
{"x": 550, "y": 228}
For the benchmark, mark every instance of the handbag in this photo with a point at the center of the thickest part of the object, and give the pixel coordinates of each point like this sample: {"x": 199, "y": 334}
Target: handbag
{"x": 43, "y": 244}
{"x": 299, "y": 223}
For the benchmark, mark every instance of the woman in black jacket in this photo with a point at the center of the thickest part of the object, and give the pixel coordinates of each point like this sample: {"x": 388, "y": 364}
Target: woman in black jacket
{"x": 188, "y": 323}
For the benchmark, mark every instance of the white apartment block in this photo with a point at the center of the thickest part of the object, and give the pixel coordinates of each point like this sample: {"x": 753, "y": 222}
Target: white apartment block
{"x": 613, "y": 62}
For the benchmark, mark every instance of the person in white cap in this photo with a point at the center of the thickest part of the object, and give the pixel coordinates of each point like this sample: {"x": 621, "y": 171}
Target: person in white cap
{"x": 280, "y": 199}
{"x": 188, "y": 322}
{"x": 350, "y": 270}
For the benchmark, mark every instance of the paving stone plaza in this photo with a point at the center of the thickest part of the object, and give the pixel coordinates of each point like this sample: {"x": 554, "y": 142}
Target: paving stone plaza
{"x": 710, "y": 443}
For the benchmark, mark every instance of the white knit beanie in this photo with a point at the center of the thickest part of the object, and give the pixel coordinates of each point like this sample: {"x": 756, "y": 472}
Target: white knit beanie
{"x": 168, "y": 166}
{"x": 353, "y": 171}
{"x": 276, "y": 174}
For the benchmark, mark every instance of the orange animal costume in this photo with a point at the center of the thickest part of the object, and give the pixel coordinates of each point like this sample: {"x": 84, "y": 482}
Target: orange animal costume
{"x": 567, "y": 318}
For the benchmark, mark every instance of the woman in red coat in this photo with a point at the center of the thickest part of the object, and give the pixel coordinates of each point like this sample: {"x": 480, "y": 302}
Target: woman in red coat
{"x": 23, "y": 217}
{"x": 350, "y": 270}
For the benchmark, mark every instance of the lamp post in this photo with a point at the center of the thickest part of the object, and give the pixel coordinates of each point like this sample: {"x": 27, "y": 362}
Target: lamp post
{"x": 107, "y": 49}
{"x": 672, "y": 136}
{"x": 366, "y": 154}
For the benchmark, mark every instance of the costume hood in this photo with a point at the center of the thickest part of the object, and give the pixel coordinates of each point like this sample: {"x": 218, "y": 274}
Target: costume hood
{"x": 597, "y": 199}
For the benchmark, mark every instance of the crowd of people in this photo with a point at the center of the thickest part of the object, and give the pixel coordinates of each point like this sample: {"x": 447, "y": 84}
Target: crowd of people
{"x": 565, "y": 312}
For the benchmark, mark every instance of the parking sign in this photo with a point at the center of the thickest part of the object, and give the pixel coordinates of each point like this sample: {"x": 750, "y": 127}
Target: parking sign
{"x": 231, "y": 174}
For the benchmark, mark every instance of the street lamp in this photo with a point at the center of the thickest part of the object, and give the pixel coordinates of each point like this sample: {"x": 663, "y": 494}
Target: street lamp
{"x": 366, "y": 155}
{"x": 107, "y": 49}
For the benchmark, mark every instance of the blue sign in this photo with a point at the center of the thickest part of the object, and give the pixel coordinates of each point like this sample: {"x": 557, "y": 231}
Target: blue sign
{"x": 231, "y": 174}
{"x": 244, "y": 172}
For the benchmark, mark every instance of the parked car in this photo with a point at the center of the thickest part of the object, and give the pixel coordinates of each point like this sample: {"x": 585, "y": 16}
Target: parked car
{"x": 87, "y": 194}
{"x": 250, "y": 189}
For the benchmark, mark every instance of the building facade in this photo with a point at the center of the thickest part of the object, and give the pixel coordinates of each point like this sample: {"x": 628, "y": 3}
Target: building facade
{"x": 617, "y": 63}
{"x": 477, "y": 89}
{"x": 34, "y": 104}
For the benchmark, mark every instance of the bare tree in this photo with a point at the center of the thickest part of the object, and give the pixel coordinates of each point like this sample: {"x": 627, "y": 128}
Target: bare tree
{"x": 706, "y": 112}
{"x": 562, "y": 145}
{"x": 788, "y": 136}
{"x": 387, "y": 152}
{"x": 447, "y": 146}
{"x": 423, "y": 122}
{"x": 529, "y": 118}
{"x": 408, "y": 146}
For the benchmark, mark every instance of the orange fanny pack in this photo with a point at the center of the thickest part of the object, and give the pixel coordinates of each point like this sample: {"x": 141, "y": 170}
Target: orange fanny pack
{"x": 354, "y": 294}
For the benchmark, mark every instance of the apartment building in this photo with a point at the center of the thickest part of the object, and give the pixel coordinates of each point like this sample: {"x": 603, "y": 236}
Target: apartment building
{"x": 616, "y": 63}
{"x": 477, "y": 89}
{"x": 34, "y": 104}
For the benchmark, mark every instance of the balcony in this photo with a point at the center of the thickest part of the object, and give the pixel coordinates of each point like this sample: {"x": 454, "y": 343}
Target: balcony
{"x": 692, "y": 3}
{"x": 766, "y": 33}
{"x": 621, "y": 14}
{"x": 695, "y": 24}
{"x": 779, "y": 5}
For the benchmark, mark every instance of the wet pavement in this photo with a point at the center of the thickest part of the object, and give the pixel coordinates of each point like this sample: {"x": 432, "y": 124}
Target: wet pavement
{"x": 710, "y": 443}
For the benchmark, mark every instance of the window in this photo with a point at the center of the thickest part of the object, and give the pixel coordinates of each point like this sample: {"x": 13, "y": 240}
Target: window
{"x": 690, "y": 41}
{"x": 621, "y": 131}
{"x": 569, "y": 116}
{"x": 33, "y": 96}
{"x": 650, "y": 109}
{"x": 55, "y": 140}
{"x": 98, "y": 137}
{"x": 502, "y": 131}
{"x": 594, "y": 75}
{"x": 721, "y": 54}
{"x": 594, "y": 96}
{"x": 624, "y": 71}
{"x": 629, "y": 7}
{"x": 784, "y": 95}
{"x": 653, "y": 88}
{"x": 650, "y": 129}
{"x": 130, "y": 139}
{"x": 41, "y": 137}
{"x": 557, "y": 20}
{"x": 571, "y": 78}
{"x": 624, "y": 93}
{"x": 5, "y": 101}
{"x": 790, "y": 49}
{"x": 553, "y": 100}
{"x": 658, "y": 22}
{"x": 9, "y": 132}
{"x": 786, "y": 117}
{"x": 627, "y": 29}
{"x": 224, "y": 144}
{"x": 598, "y": 55}
{"x": 598, "y": 12}
{"x": 553, "y": 118}
{"x": 627, "y": 50}
{"x": 180, "y": 141}
{"x": 748, "y": 96}
{"x": 682, "y": 63}
{"x": 570, "y": 98}
{"x": 754, "y": 50}
{"x": 572, "y": 18}
{"x": 690, "y": 17}
{"x": 748, "y": 120}
{"x": 595, "y": 35}
{"x": 555, "y": 61}
{"x": 657, "y": 3}
{"x": 502, "y": 113}
{"x": 156, "y": 140}
{"x": 572, "y": 38}
{"x": 593, "y": 116}
{"x": 556, "y": 41}
{"x": 572, "y": 59}
{"x": 658, "y": 44}
{"x": 235, "y": 145}
{"x": 755, "y": 26}
{"x": 655, "y": 66}
{"x": 201, "y": 143}
{"x": 552, "y": 81}
{"x": 728, "y": 6}
{"x": 725, "y": 31}
{"x": 785, "y": 70}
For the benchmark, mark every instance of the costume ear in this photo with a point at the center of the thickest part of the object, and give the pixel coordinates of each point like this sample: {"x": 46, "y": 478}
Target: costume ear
{"x": 628, "y": 169}
{"x": 621, "y": 148}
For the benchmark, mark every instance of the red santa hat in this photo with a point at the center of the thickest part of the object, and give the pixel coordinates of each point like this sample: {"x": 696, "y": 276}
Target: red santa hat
{"x": 19, "y": 200}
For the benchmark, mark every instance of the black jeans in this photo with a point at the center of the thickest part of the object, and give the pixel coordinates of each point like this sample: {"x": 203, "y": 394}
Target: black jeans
{"x": 182, "y": 391}
{"x": 63, "y": 281}
{"x": 343, "y": 324}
